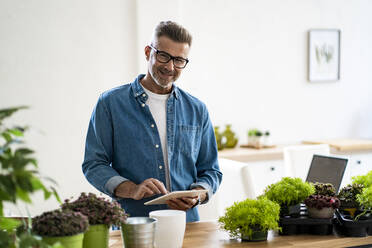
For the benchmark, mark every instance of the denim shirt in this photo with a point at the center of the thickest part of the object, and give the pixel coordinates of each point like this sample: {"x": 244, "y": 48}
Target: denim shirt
{"x": 123, "y": 144}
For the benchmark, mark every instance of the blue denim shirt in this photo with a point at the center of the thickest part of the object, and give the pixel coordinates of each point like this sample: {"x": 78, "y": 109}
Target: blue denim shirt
{"x": 121, "y": 145}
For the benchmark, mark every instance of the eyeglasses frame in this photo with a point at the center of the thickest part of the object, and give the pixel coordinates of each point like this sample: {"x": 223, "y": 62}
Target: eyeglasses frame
{"x": 157, "y": 51}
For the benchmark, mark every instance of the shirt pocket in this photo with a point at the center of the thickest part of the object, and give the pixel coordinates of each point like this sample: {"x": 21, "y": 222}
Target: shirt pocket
{"x": 188, "y": 139}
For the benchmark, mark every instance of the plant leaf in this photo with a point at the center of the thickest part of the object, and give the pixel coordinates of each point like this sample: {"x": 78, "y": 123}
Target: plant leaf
{"x": 9, "y": 224}
{"x": 23, "y": 195}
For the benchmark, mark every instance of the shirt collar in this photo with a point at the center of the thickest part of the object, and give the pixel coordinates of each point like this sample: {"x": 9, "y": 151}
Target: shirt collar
{"x": 138, "y": 90}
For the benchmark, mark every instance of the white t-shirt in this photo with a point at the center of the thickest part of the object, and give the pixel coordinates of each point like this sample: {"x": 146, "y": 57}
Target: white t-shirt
{"x": 158, "y": 107}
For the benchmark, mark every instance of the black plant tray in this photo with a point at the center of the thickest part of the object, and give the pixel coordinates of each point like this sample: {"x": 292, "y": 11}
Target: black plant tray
{"x": 300, "y": 223}
{"x": 345, "y": 226}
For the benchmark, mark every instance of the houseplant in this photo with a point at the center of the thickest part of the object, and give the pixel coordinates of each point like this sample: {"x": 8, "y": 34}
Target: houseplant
{"x": 64, "y": 226}
{"x": 326, "y": 189}
{"x": 251, "y": 219}
{"x": 19, "y": 179}
{"x": 101, "y": 214}
{"x": 288, "y": 192}
{"x": 348, "y": 198}
{"x": 255, "y": 138}
{"x": 365, "y": 198}
{"x": 321, "y": 206}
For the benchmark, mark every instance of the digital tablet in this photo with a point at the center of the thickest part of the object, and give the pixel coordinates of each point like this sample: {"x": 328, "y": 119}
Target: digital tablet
{"x": 175, "y": 194}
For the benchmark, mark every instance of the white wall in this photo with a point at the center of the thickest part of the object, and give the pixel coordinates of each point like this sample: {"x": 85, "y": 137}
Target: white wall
{"x": 248, "y": 64}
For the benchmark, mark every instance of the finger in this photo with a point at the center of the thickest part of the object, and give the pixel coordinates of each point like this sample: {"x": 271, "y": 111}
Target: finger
{"x": 174, "y": 205}
{"x": 151, "y": 185}
{"x": 191, "y": 201}
{"x": 182, "y": 204}
{"x": 160, "y": 186}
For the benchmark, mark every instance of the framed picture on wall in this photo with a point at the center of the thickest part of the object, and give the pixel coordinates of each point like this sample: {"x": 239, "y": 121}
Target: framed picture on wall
{"x": 324, "y": 55}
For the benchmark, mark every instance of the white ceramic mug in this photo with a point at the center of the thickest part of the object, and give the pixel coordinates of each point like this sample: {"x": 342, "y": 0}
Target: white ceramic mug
{"x": 170, "y": 228}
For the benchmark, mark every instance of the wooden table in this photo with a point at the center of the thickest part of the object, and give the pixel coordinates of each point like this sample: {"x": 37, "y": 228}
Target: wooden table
{"x": 208, "y": 235}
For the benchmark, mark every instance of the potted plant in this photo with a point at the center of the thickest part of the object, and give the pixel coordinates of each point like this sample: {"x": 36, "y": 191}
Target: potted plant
{"x": 365, "y": 200}
{"x": 101, "y": 214}
{"x": 347, "y": 196}
{"x": 64, "y": 226}
{"x": 326, "y": 189}
{"x": 251, "y": 219}
{"x": 289, "y": 192}
{"x": 321, "y": 206}
{"x": 365, "y": 180}
{"x": 255, "y": 138}
{"x": 19, "y": 179}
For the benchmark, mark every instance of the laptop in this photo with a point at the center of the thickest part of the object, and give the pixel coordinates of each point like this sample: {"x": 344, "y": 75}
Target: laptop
{"x": 327, "y": 169}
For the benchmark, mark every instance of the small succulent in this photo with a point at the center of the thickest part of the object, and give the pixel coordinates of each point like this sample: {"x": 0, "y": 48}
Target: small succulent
{"x": 324, "y": 189}
{"x": 59, "y": 223}
{"x": 322, "y": 201}
{"x": 97, "y": 209}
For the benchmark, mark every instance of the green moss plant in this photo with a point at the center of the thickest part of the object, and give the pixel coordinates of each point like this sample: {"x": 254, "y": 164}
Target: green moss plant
{"x": 289, "y": 191}
{"x": 245, "y": 217}
{"x": 326, "y": 189}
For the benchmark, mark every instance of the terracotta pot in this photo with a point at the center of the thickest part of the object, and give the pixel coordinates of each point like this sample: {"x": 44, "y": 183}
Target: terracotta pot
{"x": 324, "y": 213}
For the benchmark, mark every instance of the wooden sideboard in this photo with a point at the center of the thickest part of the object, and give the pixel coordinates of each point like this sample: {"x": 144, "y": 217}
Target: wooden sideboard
{"x": 208, "y": 235}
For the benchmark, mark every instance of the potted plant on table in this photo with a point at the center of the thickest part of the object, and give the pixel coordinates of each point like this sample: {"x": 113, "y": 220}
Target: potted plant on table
{"x": 348, "y": 198}
{"x": 251, "y": 219}
{"x": 288, "y": 193}
{"x": 101, "y": 214}
{"x": 321, "y": 206}
{"x": 65, "y": 227}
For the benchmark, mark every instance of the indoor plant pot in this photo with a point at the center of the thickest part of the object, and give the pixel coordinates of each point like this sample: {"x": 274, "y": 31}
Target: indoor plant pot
{"x": 251, "y": 219}
{"x": 66, "y": 227}
{"x": 348, "y": 200}
{"x": 288, "y": 192}
{"x": 101, "y": 214}
{"x": 321, "y": 206}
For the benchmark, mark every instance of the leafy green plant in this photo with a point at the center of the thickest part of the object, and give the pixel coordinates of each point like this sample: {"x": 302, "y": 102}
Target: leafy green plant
{"x": 59, "y": 223}
{"x": 322, "y": 201}
{"x": 365, "y": 198}
{"x": 97, "y": 209}
{"x": 326, "y": 189}
{"x": 254, "y": 132}
{"x": 19, "y": 178}
{"x": 365, "y": 180}
{"x": 289, "y": 191}
{"x": 245, "y": 217}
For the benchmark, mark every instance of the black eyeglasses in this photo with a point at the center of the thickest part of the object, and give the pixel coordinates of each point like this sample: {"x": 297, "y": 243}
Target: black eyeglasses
{"x": 164, "y": 57}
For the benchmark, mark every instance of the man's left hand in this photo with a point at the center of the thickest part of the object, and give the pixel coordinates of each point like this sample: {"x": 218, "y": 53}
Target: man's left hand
{"x": 185, "y": 203}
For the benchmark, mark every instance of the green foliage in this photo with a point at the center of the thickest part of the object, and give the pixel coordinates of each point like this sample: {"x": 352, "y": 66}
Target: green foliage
{"x": 365, "y": 198}
{"x": 289, "y": 191}
{"x": 348, "y": 194}
{"x": 59, "y": 223}
{"x": 365, "y": 180}
{"x": 19, "y": 178}
{"x": 255, "y": 132}
{"x": 97, "y": 209}
{"x": 326, "y": 189}
{"x": 250, "y": 215}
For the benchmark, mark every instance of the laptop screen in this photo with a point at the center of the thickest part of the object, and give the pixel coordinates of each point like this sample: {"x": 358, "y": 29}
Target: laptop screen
{"x": 326, "y": 169}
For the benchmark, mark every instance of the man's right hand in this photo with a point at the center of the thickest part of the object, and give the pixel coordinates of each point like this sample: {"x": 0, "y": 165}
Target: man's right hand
{"x": 147, "y": 188}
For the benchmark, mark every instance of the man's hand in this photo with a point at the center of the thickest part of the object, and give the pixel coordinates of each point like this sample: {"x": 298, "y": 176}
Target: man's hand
{"x": 185, "y": 203}
{"x": 147, "y": 188}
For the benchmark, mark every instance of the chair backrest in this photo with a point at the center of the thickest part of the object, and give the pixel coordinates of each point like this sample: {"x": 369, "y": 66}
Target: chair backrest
{"x": 236, "y": 185}
{"x": 297, "y": 159}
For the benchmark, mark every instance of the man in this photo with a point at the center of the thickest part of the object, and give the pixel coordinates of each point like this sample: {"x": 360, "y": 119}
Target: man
{"x": 150, "y": 137}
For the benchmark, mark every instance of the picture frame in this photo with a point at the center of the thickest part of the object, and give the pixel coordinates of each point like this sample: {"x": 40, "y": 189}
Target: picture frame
{"x": 324, "y": 55}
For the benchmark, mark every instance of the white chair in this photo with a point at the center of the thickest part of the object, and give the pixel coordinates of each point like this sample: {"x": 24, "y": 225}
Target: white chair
{"x": 236, "y": 185}
{"x": 297, "y": 159}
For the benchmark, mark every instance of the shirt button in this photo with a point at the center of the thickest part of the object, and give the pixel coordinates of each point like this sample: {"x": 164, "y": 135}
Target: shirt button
{"x": 160, "y": 167}
{"x": 143, "y": 95}
{"x": 157, "y": 146}
{"x": 152, "y": 125}
{"x": 143, "y": 105}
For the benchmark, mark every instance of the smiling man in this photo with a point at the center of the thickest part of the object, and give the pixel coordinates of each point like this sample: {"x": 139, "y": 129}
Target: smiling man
{"x": 150, "y": 137}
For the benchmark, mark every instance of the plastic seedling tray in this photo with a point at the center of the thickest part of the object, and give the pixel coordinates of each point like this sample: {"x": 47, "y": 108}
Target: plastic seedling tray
{"x": 346, "y": 226}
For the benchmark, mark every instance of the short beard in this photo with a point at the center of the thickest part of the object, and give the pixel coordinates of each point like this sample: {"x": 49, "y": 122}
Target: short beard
{"x": 157, "y": 82}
